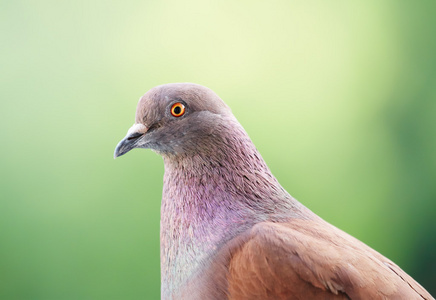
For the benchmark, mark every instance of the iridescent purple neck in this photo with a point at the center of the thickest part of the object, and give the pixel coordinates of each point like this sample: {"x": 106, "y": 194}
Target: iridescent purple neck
{"x": 210, "y": 196}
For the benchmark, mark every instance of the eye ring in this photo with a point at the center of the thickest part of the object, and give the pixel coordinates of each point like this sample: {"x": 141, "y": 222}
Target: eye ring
{"x": 178, "y": 109}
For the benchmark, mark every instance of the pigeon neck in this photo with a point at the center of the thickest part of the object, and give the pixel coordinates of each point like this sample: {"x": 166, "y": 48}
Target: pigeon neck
{"x": 212, "y": 196}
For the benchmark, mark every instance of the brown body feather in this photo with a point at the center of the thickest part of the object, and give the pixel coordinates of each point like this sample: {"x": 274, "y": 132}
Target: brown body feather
{"x": 311, "y": 259}
{"x": 300, "y": 259}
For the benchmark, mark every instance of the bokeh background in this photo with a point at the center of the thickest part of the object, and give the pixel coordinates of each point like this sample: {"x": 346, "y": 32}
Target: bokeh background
{"x": 338, "y": 96}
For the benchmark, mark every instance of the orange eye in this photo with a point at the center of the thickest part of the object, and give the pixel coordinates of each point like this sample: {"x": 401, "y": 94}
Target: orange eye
{"x": 178, "y": 109}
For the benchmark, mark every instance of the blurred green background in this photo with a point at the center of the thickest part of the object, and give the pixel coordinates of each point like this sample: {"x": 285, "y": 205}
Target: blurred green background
{"x": 338, "y": 96}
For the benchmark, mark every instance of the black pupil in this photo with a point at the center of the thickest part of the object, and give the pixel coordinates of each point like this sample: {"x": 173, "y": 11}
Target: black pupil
{"x": 177, "y": 110}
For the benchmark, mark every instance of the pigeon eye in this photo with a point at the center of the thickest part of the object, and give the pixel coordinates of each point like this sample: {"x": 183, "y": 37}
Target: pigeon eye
{"x": 178, "y": 109}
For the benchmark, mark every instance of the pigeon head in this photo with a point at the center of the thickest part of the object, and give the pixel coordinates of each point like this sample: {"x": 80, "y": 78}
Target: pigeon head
{"x": 176, "y": 119}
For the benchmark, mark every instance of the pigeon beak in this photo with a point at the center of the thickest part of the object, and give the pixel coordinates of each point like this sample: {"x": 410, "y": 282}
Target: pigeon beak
{"x": 130, "y": 141}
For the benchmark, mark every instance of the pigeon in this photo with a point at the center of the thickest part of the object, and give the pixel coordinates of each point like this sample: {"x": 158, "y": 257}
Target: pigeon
{"x": 228, "y": 229}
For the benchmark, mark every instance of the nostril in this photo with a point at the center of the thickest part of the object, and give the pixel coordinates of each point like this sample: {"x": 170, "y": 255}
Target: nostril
{"x": 134, "y": 136}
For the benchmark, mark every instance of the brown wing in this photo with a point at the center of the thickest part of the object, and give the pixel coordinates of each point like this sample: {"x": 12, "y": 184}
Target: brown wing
{"x": 307, "y": 259}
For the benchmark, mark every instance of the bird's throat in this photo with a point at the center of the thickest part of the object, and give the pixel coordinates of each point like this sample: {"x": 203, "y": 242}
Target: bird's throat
{"x": 207, "y": 200}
